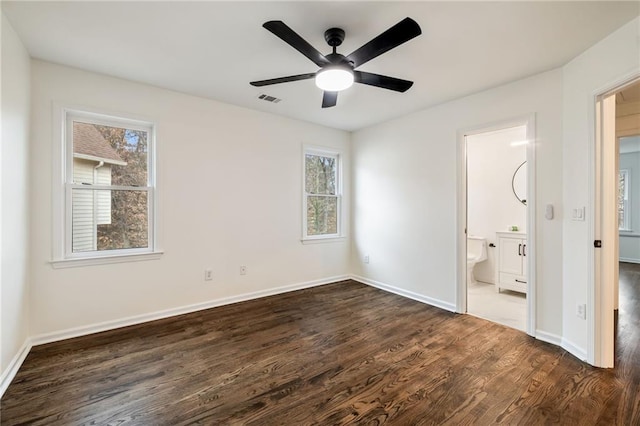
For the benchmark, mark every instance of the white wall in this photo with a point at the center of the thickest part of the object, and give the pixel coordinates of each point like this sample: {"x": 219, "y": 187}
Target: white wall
{"x": 14, "y": 231}
{"x": 629, "y": 240}
{"x": 604, "y": 64}
{"x": 230, "y": 194}
{"x": 629, "y": 248}
{"x": 491, "y": 205}
{"x": 404, "y": 184}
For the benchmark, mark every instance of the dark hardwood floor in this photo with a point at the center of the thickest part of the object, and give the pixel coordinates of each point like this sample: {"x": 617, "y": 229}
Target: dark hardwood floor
{"x": 343, "y": 353}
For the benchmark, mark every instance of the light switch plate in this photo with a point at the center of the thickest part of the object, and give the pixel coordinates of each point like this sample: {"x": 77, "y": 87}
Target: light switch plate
{"x": 578, "y": 214}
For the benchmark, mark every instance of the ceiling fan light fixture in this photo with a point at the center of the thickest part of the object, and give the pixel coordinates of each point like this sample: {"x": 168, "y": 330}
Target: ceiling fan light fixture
{"x": 334, "y": 79}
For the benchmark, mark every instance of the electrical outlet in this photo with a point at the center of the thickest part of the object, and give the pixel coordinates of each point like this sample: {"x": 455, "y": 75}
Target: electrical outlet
{"x": 208, "y": 274}
{"x": 243, "y": 270}
{"x": 581, "y": 310}
{"x": 366, "y": 259}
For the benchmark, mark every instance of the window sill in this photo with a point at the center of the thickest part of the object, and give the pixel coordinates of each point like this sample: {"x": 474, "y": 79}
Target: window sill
{"x": 323, "y": 240}
{"x": 105, "y": 260}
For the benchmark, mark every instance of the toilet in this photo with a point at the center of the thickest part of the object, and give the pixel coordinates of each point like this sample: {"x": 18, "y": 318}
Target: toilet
{"x": 476, "y": 253}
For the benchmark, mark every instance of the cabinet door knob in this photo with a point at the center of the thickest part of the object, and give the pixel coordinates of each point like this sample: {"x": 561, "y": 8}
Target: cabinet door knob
{"x": 524, "y": 249}
{"x": 519, "y": 249}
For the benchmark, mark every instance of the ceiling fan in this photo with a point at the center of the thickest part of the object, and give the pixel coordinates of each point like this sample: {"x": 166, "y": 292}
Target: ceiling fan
{"x": 337, "y": 72}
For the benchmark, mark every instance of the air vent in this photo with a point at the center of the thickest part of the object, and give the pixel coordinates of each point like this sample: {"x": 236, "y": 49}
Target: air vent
{"x": 268, "y": 98}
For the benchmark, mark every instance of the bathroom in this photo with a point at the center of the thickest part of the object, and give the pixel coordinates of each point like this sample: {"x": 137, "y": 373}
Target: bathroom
{"x": 496, "y": 226}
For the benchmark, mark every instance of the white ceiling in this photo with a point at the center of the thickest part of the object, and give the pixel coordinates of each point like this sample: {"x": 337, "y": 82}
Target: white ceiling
{"x": 213, "y": 49}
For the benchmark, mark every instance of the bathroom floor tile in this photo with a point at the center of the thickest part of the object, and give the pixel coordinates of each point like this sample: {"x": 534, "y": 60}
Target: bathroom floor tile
{"x": 507, "y": 307}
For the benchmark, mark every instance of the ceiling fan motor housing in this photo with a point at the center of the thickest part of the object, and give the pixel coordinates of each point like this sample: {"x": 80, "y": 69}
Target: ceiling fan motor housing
{"x": 339, "y": 60}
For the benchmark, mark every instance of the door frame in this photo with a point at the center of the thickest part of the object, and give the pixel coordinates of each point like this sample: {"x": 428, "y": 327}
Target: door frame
{"x": 529, "y": 121}
{"x": 601, "y": 299}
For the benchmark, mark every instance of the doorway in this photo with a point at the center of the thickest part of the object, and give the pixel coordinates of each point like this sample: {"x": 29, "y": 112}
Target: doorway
{"x": 617, "y": 218}
{"x": 496, "y": 253}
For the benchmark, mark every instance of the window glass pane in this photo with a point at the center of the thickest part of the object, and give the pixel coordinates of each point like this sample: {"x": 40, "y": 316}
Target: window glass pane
{"x": 322, "y": 215}
{"x": 105, "y": 155}
{"x": 621, "y": 185}
{"x": 109, "y": 219}
{"x": 320, "y": 174}
{"x": 623, "y": 197}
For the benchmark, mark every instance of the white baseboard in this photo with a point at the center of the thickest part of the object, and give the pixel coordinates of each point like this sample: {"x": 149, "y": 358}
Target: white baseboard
{"x": 152, "y": 316}
{"x": 574, "y": 350}
{"x": 554, "y": 339}
{"x": 12, "y": 369}
{"x": 629, "y": 260}
{"x": 451, "y": 307}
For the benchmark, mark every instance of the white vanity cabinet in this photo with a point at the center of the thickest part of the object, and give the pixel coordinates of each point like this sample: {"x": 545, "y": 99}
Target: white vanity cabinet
{"x": 511, "y": 273}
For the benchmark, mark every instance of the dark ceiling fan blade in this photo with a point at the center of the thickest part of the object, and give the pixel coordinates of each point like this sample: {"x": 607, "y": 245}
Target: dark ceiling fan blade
{"x": 382, "y": 81}
{"x": 290, "y": 37}
{"x": 400, "y": 33}
{"x": 329, "y": 99}
{"x": 283, "y": 79}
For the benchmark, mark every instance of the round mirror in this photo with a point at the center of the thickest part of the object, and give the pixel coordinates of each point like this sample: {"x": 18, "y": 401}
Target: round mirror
{"x": 519, "y": 183}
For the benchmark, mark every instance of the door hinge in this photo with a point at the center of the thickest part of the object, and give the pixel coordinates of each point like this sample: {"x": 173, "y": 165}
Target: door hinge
{"x": 597, "y": 243}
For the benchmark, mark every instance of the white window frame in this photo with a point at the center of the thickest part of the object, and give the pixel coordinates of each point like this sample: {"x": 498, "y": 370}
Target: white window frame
{"x": 63, "y": 255}
{"x": 626, "y": 224}
{"x": 324, "y": 152}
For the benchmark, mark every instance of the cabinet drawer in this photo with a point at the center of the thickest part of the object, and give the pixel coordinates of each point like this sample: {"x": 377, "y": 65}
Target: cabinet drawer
{"x": 513, "y": 282}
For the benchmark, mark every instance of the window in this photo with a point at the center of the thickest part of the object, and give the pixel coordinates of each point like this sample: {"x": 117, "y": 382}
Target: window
{"x": 322, "y": 194}
{"x": 624, "y": 216}
{"x": 109, "y": 187}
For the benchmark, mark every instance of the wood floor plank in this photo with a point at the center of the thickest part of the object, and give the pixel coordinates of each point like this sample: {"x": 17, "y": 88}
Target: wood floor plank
{"x": 343, "y": 353}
